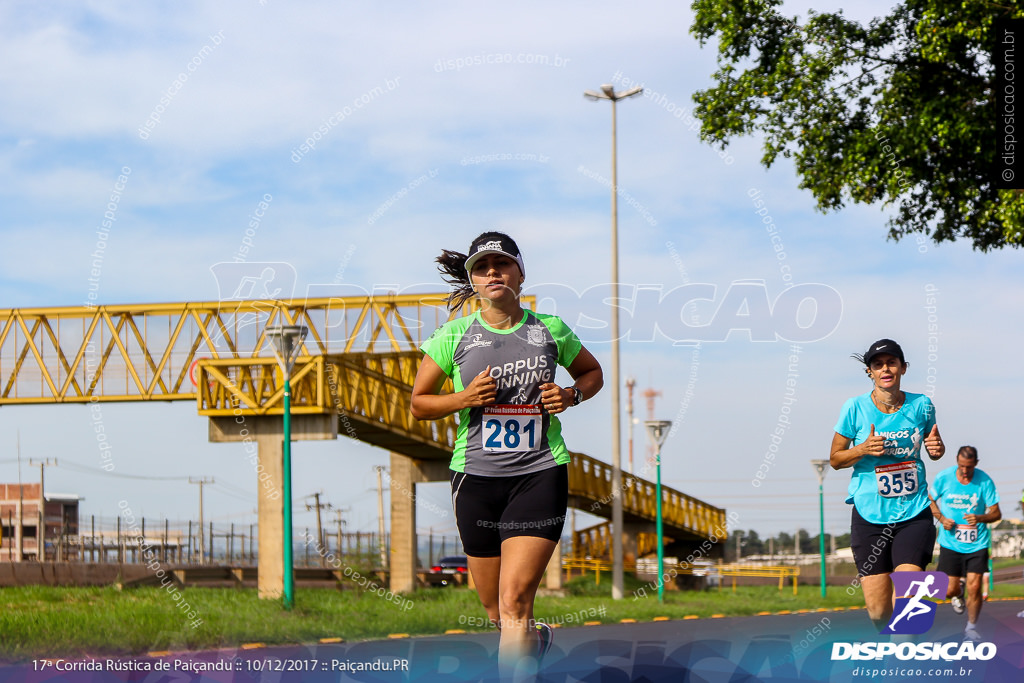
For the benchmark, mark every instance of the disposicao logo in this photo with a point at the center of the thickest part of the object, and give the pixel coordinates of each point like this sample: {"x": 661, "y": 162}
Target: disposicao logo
{"x": 916, "y": 596}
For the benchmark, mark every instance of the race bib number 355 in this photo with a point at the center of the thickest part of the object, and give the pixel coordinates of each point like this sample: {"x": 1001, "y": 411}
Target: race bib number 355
{"x": 899, "y": 479}
{"x": 511, "y": 428}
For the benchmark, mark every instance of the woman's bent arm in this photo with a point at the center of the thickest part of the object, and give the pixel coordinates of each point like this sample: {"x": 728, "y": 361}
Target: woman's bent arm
{"x": 428, "y": 404}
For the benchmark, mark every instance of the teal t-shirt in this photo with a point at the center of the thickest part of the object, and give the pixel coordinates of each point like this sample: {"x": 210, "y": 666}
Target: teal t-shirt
{"x": 515, "y": 435}
{"x": 956, "y": 500}
{"x": 890, "y": 487}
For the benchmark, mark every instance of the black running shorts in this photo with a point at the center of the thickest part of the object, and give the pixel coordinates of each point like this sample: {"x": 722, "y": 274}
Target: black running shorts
{"x": 952, "y": 563}
{"x": 880, "y": 548}
{"x": 489, "y": 510}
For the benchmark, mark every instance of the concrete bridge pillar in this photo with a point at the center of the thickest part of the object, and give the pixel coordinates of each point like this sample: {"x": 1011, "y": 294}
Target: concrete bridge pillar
{"x": 630, "y": 544}
{"x": 263, "y": 436}
{"x": 405, "y": 473}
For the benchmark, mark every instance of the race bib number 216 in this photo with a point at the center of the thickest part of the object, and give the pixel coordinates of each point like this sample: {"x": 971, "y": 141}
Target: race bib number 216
{"x": 966, "y": 533}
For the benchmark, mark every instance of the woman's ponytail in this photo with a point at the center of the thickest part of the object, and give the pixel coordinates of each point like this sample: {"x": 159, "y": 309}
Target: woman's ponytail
{"x": 452, "y": 266}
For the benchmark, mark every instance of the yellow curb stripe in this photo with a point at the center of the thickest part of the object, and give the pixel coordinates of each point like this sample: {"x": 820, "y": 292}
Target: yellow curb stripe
{"x": 453, "y": 630}
{"x": 717, "y": 616}
{"x": 783, "y": 611}
{"x": 691, "y": 616}
{"x": 398, "y": 635}
{"x": 761, "y": 614}
{"x": 661, "y": 618}
{"x": 253, "y": 646}
{"x": 327, "y": 641}
{"x": 591, "y": 623}
{"x": 159, "y": 653}
{"x": 627, "y": 621}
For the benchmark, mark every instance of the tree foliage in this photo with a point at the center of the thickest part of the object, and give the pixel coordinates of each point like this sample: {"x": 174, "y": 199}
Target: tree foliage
{"x": 900, "y": 111}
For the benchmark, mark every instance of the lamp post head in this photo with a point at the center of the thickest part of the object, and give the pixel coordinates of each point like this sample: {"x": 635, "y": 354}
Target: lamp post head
{"x": 820, "y": 467}
{"x": 657, "y": 431}
{"x": 286, "y": 341}
{"x": 608, "y": 93}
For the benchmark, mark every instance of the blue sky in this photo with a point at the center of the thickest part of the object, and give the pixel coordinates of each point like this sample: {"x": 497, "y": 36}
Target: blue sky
{"x": 440, "y": 122}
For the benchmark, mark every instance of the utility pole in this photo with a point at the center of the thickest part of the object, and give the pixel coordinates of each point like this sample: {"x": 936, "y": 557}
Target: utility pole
{"x": 319, "y": 525}
{"x": 21, "y": 507}
{"x": 338, "y": 512}
{"x": 630, "y": 383}
{"x": 380, "y": 515}
{"x": 201, "y": 482}
{"x": 41, "y": 532}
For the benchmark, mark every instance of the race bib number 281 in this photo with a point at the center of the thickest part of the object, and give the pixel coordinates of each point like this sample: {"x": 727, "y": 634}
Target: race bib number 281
{"x": 511, "y": 427}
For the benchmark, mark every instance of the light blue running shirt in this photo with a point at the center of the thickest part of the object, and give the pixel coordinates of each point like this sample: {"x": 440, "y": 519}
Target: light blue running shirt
{"x": 956, "y": 500}
{"x": 890, "y": 487}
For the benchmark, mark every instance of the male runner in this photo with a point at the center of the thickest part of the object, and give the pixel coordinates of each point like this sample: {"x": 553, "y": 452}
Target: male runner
{"x": 965, "y": 502}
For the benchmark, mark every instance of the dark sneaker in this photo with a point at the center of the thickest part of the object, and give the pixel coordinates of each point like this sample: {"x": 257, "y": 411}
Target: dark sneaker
{"x": 958, "y": 604}
{"x": 544, "y": 637}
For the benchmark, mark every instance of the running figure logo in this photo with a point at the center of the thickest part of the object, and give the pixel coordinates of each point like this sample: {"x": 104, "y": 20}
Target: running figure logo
{"x": 915, "y": 439}
{"x": 916, "y": 596}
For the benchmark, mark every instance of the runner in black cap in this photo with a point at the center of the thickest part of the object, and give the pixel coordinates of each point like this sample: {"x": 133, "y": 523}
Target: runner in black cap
{"x": 892, "y": 528}
{"x": 510, "y": 465}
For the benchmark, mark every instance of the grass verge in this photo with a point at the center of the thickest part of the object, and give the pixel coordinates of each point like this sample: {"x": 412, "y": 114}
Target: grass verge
{"x": 40, "y": 621}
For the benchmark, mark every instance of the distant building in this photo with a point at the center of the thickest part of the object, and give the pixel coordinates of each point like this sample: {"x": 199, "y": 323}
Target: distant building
{"x": 19, "y": 521}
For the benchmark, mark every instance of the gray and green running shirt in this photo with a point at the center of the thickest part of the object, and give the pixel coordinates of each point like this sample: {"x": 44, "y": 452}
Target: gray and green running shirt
{"x": 514, "y": 435}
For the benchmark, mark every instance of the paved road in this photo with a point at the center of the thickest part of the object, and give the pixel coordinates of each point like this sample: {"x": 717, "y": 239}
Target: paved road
{"x": 770, "y": 648}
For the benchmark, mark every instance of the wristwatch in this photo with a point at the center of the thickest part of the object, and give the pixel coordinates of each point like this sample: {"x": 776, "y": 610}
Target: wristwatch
{"x": 577, "y": 395}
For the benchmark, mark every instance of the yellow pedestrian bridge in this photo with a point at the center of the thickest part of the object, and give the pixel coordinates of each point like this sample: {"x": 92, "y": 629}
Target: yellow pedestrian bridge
{"x": 353, "y": 377}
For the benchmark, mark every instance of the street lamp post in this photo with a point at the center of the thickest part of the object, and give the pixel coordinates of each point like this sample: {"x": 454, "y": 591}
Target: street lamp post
{"x": 819, "y": 467}
{"x": 608, "y": 93}
{"x": 287, "y": 342}
{"x": 657, "y": 431}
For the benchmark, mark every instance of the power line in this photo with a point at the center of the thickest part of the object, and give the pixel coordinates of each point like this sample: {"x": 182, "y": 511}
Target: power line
{"x": 95, "y": 470}
{"x": 229, "y": 494}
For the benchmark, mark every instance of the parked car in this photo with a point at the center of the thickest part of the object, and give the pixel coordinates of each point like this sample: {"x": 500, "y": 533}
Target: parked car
{"x": 708, "y": 570}
{"x": 451, "y": 570}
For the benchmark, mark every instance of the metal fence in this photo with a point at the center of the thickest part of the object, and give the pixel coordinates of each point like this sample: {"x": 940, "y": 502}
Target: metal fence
{"x": 105, "y": 540}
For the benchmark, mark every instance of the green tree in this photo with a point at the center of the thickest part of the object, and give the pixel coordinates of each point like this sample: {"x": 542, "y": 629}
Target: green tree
{"x": 752, "y": 543}
{"x": 805, "y": 541}
{"x": 899, "y": 111}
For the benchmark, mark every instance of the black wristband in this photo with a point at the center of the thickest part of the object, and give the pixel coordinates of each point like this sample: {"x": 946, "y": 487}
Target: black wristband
{"x": 577, "y": 395}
